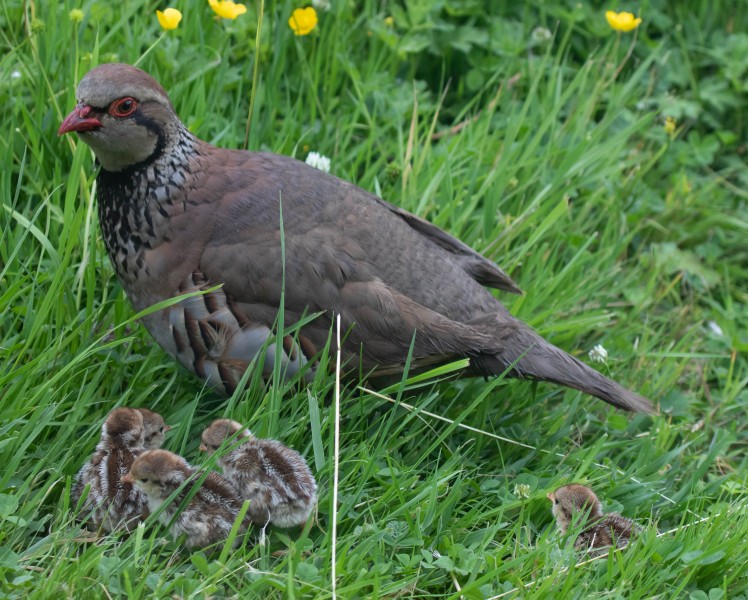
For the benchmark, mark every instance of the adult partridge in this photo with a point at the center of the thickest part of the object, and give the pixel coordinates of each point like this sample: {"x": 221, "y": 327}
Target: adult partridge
{"x": 209, "y": 514}
{"x": 180, "y": 215}
{"x": 273, "y": 477}
{"x": 578, "y": 502}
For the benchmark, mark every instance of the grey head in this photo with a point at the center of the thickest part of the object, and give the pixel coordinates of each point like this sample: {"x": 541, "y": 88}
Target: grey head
{"x": 124, "y": 115}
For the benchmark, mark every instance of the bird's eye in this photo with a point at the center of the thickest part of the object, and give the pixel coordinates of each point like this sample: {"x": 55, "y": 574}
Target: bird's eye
{"x": 123, "y": 107}
{"x": 143, "y": 481}
{"x": 161, "y": 430}
{"x": 555, "y": 502}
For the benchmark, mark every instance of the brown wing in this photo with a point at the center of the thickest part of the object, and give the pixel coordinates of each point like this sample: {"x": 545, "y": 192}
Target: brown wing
{"x": 384, "y": 270}
{"x": 476, "y": 265}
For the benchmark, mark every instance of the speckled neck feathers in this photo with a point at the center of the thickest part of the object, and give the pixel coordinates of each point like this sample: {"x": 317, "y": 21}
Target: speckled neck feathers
{"x": 137, "y": 204}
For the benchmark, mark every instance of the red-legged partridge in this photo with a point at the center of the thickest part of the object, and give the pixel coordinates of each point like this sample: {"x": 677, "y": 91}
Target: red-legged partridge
{"x": 179, "y": 215}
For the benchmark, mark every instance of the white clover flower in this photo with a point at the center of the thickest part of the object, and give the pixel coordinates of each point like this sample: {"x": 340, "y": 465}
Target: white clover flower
{"x": 539, "y": 36}
{"x": 714, "y": 328}
{"x": 321, "y": 4}
{"x": 522, "y": 490}
{"x": 318, "y": 161}
{"x": 598, "y": 354}
{"x": 15, "y": 75}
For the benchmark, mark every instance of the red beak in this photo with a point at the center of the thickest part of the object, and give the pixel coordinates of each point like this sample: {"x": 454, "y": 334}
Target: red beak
{"x": 78, "y": 120}
{"x": 126, "y": 478}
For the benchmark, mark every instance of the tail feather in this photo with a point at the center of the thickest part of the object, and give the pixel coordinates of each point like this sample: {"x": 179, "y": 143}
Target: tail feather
{"x": 534, "y": 358}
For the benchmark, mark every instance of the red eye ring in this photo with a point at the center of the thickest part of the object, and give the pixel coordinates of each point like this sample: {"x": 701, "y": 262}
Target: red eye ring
{"x": 123, "y": 107}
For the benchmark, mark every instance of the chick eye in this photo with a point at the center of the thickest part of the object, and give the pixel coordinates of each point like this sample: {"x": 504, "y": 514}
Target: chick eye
{"x": 143, "y": 481}
{"x": 123, "y": 107}
{"x": 555, "y": 502}
{"x": 161, "y": 430}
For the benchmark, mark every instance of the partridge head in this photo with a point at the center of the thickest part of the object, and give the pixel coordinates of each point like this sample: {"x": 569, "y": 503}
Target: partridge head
{"x": 112, "y": 504}
{"x": 158, "y": 474}
{"x": 179, "y": 215}
{"x": 154, "y": 429}
{"x": 578, "y": 503}
{"x": 208, "y": 516}
{"x": 219, "y": 432}
{"x": 273, "y": 477}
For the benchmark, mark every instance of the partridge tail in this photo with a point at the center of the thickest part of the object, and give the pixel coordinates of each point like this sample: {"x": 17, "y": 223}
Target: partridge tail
{"x": 537, "y": 359}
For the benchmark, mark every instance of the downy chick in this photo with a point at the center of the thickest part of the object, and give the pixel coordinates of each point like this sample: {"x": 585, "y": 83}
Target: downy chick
{"x": 577, "y": 502}
{"x": 208, "y": 516}
{"x": 274, "y": 478}
{"x": 112, "y": 504}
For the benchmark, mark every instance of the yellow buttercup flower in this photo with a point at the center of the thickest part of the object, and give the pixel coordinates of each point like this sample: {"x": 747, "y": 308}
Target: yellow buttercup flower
{"x": 622, "y": 21}
{"x": 227, "y": 9}
{"x": 303, "y": 20}
{"x": 670, "y": 125}
{"x": 169, "y": 18}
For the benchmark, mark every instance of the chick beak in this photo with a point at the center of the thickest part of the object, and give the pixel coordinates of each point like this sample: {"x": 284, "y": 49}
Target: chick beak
{"x": 550, "y": 496}
{"x": 128, "y": 479}
{"x": 79, "y": 120}
{"x": 167, "y": 428}
{"x": 203, "y": 448}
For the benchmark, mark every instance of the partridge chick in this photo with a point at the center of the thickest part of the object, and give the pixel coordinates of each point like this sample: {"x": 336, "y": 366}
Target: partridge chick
{"x": 274, "y": 478}
{"x": 208, "y": 516}
{"x": 155, "y": 429}
{"x": 580, "y": 502}
{"x": 112, "y": 504}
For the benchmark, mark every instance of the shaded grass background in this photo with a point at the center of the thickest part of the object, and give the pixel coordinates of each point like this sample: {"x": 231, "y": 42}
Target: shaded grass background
{"x": 618, "y": 232}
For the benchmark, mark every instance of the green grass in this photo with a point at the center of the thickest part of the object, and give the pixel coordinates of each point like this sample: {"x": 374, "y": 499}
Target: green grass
{"x": 620, "y": 234}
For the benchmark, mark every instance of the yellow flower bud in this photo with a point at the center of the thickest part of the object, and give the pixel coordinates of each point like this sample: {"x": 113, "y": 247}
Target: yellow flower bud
{"x": 670, "y": 125}
{"x": 623, "y": 21}
{"x": 169, "y": 18}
